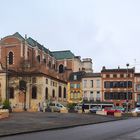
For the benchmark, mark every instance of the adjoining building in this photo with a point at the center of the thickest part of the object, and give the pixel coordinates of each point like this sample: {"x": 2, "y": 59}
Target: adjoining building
{"x": 137, "y": 89}
{"x": 92, "y": 87}
{"x": 75, "y": 87}
{"x": 118, "y": 86}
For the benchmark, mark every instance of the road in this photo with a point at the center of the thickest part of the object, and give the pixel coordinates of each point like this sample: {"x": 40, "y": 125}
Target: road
{"x": 116, "y": 130}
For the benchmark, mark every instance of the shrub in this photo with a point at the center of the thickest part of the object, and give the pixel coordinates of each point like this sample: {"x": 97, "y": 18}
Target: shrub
{"x": 6, "y": 104}
{"x": 71, "y": 105}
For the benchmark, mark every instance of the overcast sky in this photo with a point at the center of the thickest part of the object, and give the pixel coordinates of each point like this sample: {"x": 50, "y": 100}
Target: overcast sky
{"x": 108, "y": 31}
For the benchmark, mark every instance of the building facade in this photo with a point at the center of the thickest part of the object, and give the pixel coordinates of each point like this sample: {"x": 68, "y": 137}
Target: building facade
{"x": 118, "y": 86}
{"x": 75, "y": 87}
{"x": 92, "y": 87}
{"x": 137, "y": 88}
{"x": 31, "y": 74}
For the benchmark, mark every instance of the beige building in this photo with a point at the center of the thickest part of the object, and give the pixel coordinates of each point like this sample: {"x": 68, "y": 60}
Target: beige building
{"x": 82, "y": 65}
{"x": 92, "y": 87}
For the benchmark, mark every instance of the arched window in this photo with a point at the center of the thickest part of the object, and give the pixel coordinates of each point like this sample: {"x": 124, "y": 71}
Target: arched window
{"x": 11, "y": 58}
{"x": 59, "y": 92}
{"x": 53, "y": 93}
{"x": 61, "y": 68}
{"x": 11, "y": 93}
{"x": 46, "y": 93}
{"x": 34, "y": 92}
{"x": 64, "y": 95}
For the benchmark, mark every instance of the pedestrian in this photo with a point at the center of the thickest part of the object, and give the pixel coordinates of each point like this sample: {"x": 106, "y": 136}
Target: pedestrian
{"x": 39, "y": 106}
{"x": 44, "y": 106}
{"x": 83, "y": 108}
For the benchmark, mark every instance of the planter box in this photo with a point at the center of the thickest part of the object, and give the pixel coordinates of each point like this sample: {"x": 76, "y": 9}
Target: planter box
{"x": 63, "y": 111}
{"x": 79, "y": 111}
{"x": 87, "y": 111}
{"x": 33, "y": 110}
{"x": 117, "y": 114}
{"x": 17, "y": 110}
{"x": 101, "y": 112}
{"x": 134, "y": 114}
{"x": 4, "y": 113}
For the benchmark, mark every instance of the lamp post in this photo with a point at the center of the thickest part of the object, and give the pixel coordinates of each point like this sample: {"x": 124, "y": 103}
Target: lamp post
{"x": 127, "y": 89}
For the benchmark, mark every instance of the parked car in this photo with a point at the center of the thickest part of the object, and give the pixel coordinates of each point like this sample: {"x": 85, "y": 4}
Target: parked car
{"x": 78, "y": 107}
{"x": 136, "y": 110}
{"x": 94, "y": 109}
{"x": 111, "y": 111}
{"x": 1, "y": 106}
{"x": 56, "y": 107}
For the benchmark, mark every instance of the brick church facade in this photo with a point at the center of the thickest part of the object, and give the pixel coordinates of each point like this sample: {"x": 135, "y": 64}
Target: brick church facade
{"x": 31, "y": 74}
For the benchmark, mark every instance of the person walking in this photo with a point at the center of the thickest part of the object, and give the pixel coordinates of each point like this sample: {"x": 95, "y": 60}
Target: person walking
{"x": 83, "y": 108}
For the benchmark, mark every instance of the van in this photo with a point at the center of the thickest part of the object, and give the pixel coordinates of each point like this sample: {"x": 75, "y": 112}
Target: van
{"x": 88, "y": 106}
{"x": 56, "y": 107}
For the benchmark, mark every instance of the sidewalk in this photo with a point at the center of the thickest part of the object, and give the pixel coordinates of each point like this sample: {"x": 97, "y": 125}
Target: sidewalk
{"x": 27, "y": 122}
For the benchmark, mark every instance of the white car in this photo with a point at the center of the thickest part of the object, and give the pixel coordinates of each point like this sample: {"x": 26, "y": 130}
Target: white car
{"x": 56, "y": 107}
{"x": 1, "y": 106}
{"x": 136, "y": 110}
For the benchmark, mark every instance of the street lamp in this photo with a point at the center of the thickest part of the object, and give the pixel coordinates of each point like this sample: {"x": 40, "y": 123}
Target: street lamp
{"x": 127, "y": 89}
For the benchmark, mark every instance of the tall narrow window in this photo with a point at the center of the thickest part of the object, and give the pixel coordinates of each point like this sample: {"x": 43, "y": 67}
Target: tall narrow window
{"x": 34, "y": 92}
{"x": 50, "y": 64}
{"x": 91, "y": 94}
{"x": 11, "y": 58}
{"x": 91, "y": 83}
{"x": 98, "y": 95}
{"x": 98, "y": 83}
{"x": 75, "y": 77}
{"x": 64, "y": 92}
{"x": 46, "y": 93}
{"x": 53, "y": 93}
{"x": 85, "y": 83}
{"x": 60, "y": 92}
{"x": 11, "y": 92}
{"x": 46, "y": 81}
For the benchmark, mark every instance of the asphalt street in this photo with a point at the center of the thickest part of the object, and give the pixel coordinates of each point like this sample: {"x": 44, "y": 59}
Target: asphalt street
{"x": 118, "y": 130}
